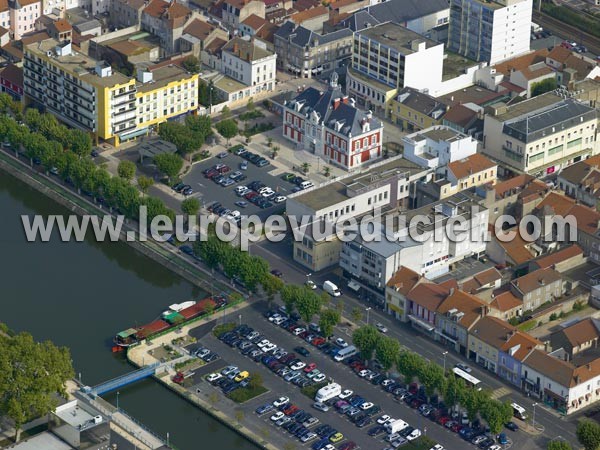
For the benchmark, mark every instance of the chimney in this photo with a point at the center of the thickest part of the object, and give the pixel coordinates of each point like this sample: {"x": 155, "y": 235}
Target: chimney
{"x": 345, "y": 99}
{"x": 541, "y": 281}
{"x": 235, "y": 47}
{"x": 336, "y": 103}
{"x": 451, "y": 292}
{"x": 369, "y": 115}
{"x": 483, "y": 311}
{"x": 508, "y": 336}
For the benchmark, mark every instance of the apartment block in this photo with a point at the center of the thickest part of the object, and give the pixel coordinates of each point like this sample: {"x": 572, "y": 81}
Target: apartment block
{"x": 308, "y": 54}
{"x": 388, "y": 57}
{"x": 542, "y": 135}
{"x": 385, "y": 185}
{"x": 490, "y": 31}
{"x": 87, "y": 94}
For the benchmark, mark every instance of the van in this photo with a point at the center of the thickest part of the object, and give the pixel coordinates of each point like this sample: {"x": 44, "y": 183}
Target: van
{"x": 331, "y": 289}
{"x": 306, "y": 185}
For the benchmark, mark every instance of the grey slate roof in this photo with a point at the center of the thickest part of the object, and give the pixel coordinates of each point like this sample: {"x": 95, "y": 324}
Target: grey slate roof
{"x": 398, "y": 11}
{"x": 302, "y": 36}
{"x": 564, "y": 114}
{"x": 349, "y": 116}
{"x": 423, "y": 103}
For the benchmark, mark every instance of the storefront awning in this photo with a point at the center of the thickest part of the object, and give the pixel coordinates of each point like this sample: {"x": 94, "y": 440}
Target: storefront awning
{"x": 425, "y": 325}
{"x": 354, "y": 285}
{"x": 132, "y": 134}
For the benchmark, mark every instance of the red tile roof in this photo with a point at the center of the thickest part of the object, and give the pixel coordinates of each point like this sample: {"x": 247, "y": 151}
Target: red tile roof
{"x": 559, "y": 256}
{"x": 505, "y": 301}
{"x": 470, "y": 165}
{"x": 404, "y": 280}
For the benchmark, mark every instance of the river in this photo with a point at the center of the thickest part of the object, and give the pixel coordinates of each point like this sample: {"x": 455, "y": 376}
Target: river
{"x": 79, "y": 295}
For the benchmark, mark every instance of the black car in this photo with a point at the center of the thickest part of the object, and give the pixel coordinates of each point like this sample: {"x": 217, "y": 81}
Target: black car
{"x": 376, "y": 430}
{"x": 94, "y": 153}
{"x": 373, "y": 410}
{"x": 178, "y": 187}
{"x": 188, "y": 191}
{"x": 512, "y": 426}
{"x": 363, "y": 422}
{"x": 302, "y": 351}
{"x": 278, "y": 273}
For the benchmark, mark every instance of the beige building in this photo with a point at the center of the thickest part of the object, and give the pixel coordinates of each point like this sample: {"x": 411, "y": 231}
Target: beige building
{"x": 235, "y": 12}
{"x": 542, "y": 135}
{"x": 397, "y": 288}
{"x": 538, "y": 287}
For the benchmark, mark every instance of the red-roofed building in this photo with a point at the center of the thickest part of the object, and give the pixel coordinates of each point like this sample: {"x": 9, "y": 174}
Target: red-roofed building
{"x": 11, "y": 80}
{"x": 235, "y": 12}
{"x": 167, "y": 20}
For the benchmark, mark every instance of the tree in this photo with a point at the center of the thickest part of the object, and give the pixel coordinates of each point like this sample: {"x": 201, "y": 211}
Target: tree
{"x": 290, "y": 293}
{"x": 356, "y": 314}
{"x": 305, "y": 167}
{"x": 31, "y": 374}
{"x": 588, "y": 434}
{"x": 496, "y": 414}
{"x": 269, "y": 141}
{"x": 387, "y": 352}
{"x": 79, "y": 142}
{"x": 145, "y": 183}
{"x": 271, "y": 285}
{"x": 455, "y": 388}
{"x": 409, "y": 364}
{"x": 250, "y": 105}
{"x": 432, "y": 377}
{"x": 227, "y": 128}
{"x": 169, "y": 163}
{"x": 308, "y": 304}
{"x": 559, "y": 445}
{"x": 366, "y": 340}
{"x": 190, "y": 206}
{"x": 329, "y": 319}
{"x": 541, "y": 87}
{"x": 326, "y": 171}
{"x": 126, "y": 170}
{"x": 473, "y": 400}
{"x": 191, "y": 64}
{"x": 225, "y": 113}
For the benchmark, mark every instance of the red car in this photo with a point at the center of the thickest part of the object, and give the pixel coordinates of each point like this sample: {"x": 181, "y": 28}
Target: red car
{"x": 290, "y": 410}
{"x": 310, "y": 367}
{"x": 223, "y": 170}
{"x": 456, "y": 427}
{"x": 350, "y": 445}
{"x": 442, "y": 420}
{"x": 413, "y": 388}
{"x": 318, "y": 341}
{"x": 359, "y": 367}
{"x": 250, "y": 195}
{"x": 355, "y": 363}
{"x": 211, "y": 173}
{"x": 416, "y": 403}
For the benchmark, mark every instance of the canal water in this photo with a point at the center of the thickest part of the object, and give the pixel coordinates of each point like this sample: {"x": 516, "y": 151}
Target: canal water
{"x": 79, "y": 295}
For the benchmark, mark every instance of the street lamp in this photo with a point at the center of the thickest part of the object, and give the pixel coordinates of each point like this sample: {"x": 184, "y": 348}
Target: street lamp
{"x": 444, "y": 355}
{"x": 240, "y": 317}
{"x": 118, "y": 400}
{"x": 534, "y": 405}
{"x": 367, "y": 310}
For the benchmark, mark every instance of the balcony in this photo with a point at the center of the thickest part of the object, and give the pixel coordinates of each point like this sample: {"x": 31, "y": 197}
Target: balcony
{"x": 512, "y": 154}
{"x": 121, "y": 94}
{"x": 121, "y": 101}
{"x": 77, "y": 87}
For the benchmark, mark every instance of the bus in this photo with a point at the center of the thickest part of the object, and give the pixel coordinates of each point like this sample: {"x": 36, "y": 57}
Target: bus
{"x": 469, "y": 380}
{"x": 518, "y": 411}
{"x": 345, "y": 353}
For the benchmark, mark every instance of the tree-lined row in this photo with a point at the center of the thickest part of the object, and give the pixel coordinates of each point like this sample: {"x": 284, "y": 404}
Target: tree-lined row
{"x": 413, "y": 367}
{"x": 72, "y": 163}
{"x": 189, "y": 136}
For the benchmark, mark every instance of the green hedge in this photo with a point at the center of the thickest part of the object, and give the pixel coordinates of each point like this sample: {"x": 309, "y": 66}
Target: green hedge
{"x": 571, "y": 17}
{"x": 247, "y": 393}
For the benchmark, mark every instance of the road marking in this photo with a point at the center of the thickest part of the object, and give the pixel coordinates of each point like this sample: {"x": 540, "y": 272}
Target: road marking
{"x": 201, "y": 185}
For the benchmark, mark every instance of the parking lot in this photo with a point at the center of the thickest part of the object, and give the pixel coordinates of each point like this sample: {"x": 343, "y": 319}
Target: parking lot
{"x": 209, "y": 191}
{"x": 336, "y": 372}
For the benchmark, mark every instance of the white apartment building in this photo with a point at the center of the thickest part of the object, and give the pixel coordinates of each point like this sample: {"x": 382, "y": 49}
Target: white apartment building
{"x": 385, "y": 185}
{"x": 388, "y": 57}
{"x": 490, "y": 31}
{"x": 540, "y": 135}
{"x": 373, "y": 263}
{"x": 438, "y": 146}
{"x": 249, "y": 63}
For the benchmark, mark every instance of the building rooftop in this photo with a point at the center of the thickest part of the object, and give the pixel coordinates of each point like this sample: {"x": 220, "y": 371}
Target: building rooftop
{"x": 77, "y": 64}
{"x": 438, "y": 134}
{"x": 536, "y": 280}
{"x": 227, "y": 84}
{"x": 470, "y": 165}
{"x": 505, "y": 301}
{"x": 469, "y": 308}
{"x": 535, "y": 118}
{"x": 454, "y": 65}
{"x": 575, "y": 173}
{"x": 550, "y": 260}
{"x": 308, "y": 14}
{"x": 521, "y": 62}
{"x": 346, "y": 188}
{"x": 246, "y": 50}
{"x": 473, "y": 94}
{"x": 45, "y": 441}
{"x": 404, "y": 280}
{"x": 162, "y": 76}
{"x": 492, "y": 331}
{"x": 396, "y": 37}
{"x": 421, "y": 102}
{"x": 301, "y": 36}
{"x": 78, "y": 415}
{"x": 517, "y": 249}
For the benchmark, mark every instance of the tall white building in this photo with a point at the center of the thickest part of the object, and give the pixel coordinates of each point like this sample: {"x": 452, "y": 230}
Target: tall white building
{"x": 490, "y": 31}
{"x": 438, "y": 146}
{"x": 249, "y": 63}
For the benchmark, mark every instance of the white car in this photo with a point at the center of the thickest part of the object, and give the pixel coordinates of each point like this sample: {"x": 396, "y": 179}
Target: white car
{"x": 213, "y": 377}
{"x": 263, "y": 343}
{"x": 269, "y": 348}
{"x": 277, "y": 416}
{"x": 228, "y": 370}
{"x": 493, "y": 447}
{"x": 274, "y": 317}
{"x": 319, "y": 378}
{"x": 463, "y": 367}
{"x": 308, "y": 437}
{"x": 363, "y": 373}
{"x": 311, "y": 285}
{"x": 268, "y": 193}
{"x": 280, "y": 199}
{"x": 441, "y": 447}
{"x": 299, "y": 365}
{"x": 280, "y": 401}
{"x": 342, "y": 343}
{"x": 345, "y": 394}
{"x": 384, "y": 419}
{"x": 366, "y": 405}
{"x": 279, "y": 320}
{"x": 381, "y": 327}
{"x": 329, "y": 447}
{"x": 299, "y": 330}
{"x": 264, "y": 189}
{"x": 414, "y": 435}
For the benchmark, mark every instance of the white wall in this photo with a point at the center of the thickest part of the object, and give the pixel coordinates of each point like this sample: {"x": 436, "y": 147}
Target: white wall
{"x": 512, "y": 31}
{"x": 423, "y": 69}
{"x": 423, "y": 25}
{"x": 462, "y": 81}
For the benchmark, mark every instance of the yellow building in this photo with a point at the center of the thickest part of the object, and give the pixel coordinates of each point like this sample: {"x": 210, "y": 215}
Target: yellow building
{"x": 88, "y": 94}
{"x": 412, "y": 110}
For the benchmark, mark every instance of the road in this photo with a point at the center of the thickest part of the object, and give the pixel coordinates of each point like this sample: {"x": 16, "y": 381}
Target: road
{"x": 279, "y": 256}
{"x": 567, "y": 31}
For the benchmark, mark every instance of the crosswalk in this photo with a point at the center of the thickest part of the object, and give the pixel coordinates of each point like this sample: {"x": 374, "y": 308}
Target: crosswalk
{"x": 500, "y": 392}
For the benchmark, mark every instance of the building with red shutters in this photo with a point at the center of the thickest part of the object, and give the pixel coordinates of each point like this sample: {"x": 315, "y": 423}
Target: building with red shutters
{"x": 329, "y": 125}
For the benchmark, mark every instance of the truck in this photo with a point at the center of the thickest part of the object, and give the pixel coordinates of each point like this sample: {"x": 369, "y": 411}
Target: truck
{"x": 328, "y": 392}
{"x": 331, "y": 289}
{"x": 535, "y": 28}
{"x": 396, "y": 426}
